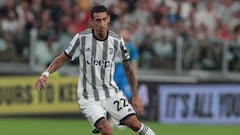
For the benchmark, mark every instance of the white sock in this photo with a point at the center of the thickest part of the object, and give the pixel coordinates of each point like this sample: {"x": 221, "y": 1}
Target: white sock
{"x": 144, "y": 130}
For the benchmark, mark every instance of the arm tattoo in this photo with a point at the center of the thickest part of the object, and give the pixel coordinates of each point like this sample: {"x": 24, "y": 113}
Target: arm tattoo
{"x": 131, "y": 76}
{"x": 56, "y": 64}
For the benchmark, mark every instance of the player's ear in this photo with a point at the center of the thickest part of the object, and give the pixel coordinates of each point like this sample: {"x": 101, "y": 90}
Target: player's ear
{"x": 108, "y": 18}
{"x": 91, "y": 21}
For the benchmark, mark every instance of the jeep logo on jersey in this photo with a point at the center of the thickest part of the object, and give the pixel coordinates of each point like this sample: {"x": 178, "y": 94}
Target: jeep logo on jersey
{"x": 95, "y": 62}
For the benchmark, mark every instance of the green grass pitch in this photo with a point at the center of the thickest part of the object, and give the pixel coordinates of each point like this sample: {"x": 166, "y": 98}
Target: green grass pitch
{"x": 44, "y": 126}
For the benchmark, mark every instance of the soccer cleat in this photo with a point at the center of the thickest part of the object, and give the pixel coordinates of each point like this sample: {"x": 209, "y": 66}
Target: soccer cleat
{"x": 95, "y": 131}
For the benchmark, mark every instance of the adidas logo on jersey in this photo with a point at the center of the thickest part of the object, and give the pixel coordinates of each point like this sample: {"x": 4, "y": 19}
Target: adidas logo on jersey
{"x": 129, "y": 110}
{"x": 101, "y": 63}
{"x": 111, "y": 50}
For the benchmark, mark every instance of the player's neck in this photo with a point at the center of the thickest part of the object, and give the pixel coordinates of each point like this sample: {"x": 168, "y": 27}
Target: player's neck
{"x": 99, "y": 36}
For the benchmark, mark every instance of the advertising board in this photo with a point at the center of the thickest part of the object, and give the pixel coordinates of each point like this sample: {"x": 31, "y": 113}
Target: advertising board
{"x": 17, "y": 96}
{"x": 199, "y": 103}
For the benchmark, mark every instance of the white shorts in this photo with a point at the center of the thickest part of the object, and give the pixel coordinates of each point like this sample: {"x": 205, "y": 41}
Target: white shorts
{"x": 117, "y": 106}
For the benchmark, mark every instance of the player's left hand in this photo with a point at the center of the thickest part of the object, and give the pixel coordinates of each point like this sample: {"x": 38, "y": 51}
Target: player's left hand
{"x": 137, "y": 105}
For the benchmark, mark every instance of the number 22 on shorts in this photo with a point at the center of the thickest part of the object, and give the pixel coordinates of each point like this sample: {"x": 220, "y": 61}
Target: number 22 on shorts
{"x": 120, "y": 104}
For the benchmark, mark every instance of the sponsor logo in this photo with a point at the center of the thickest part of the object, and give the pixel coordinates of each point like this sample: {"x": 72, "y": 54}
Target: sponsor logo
{"x": 101, "y": 63}
{"x": 129, "y": 110}
{"x": 111, "y": 51}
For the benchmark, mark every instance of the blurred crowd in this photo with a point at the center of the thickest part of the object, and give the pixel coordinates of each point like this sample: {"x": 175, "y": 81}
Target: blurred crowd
{"x": 200, "y": 27}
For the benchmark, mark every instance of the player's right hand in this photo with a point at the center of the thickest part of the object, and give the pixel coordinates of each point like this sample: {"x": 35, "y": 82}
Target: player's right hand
{"x": 41, "y": 83}
{"x": 137, "y": 105}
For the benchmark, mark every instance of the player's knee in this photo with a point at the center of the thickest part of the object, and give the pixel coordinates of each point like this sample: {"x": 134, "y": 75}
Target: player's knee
{"x": 104, "y": 127}
{"x": 132, "y": 122}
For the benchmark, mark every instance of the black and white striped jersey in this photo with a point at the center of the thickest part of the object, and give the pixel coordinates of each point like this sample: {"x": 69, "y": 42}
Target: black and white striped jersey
{"x": 96, "y": 63}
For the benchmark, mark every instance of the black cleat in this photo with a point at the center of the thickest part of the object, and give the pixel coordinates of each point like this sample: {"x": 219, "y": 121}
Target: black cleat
{"x": 95, "y": 131}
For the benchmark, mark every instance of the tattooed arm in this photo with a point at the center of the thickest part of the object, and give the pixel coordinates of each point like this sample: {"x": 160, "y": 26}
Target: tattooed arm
{"x": 137, "y": 105}
{"x": 55, "y": 65}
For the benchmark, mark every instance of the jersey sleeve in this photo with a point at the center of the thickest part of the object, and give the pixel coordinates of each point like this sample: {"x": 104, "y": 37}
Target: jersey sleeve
{"x": 73, "y": 49}
{"x": 133, "y": 52}
{"x": 124, "y": 54}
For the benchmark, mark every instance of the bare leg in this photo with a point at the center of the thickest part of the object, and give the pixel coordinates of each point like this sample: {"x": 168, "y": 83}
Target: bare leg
{"x": 104, "y": 127}
{"x": 133, "y": 123}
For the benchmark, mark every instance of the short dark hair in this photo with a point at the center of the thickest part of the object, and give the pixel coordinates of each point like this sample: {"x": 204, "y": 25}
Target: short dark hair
{"x": 98, "y": 9}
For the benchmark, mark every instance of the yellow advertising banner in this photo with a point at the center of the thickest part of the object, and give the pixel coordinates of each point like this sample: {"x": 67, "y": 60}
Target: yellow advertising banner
{"x": 18, "y": 96}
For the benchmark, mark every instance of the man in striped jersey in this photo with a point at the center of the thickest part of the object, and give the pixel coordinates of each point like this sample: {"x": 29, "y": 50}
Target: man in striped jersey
{"x": 97, "y": 48}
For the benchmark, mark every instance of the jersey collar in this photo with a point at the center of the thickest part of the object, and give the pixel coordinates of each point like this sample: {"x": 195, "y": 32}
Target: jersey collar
{"x": 99, "y": 39}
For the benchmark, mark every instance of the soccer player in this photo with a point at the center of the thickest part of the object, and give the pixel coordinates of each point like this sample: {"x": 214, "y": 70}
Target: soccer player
{"x": 97, "y": 92}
